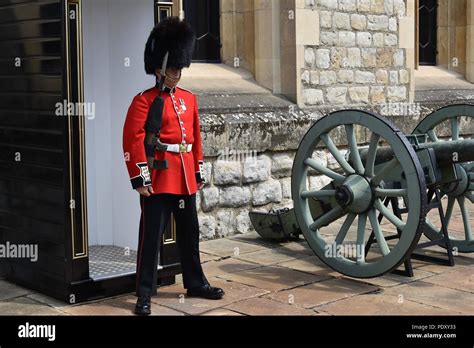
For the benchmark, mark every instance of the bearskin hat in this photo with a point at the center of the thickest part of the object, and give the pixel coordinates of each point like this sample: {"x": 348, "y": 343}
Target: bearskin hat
{"x": 170, "y": 35}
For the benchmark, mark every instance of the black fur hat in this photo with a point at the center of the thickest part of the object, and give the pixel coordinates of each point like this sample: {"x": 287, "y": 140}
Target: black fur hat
{"x": 170, "y": 35}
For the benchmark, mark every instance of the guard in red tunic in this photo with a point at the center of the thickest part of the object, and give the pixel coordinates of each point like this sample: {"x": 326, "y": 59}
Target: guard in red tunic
{"x": 163, "y": 152}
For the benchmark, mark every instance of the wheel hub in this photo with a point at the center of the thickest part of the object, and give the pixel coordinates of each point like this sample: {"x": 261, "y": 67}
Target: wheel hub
{"x": 460, "y": 187}
{"x": 355, "y": 194}
{"x": 344, "y": 195}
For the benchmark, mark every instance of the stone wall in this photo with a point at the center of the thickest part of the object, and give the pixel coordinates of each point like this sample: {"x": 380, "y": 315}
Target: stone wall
{"x": 259, "y": 184}
{"x": 238, "y": 187}
{"x": 262, "y": 181}
{"x": 254, "y": 180}
{"x": 359, "y": 59}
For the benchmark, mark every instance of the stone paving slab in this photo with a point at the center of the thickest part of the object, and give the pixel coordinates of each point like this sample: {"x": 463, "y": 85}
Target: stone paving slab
{"x": 228, "y": 247}
{"x": 434, "y": 268}
{"x": 253, "y": 237}
{"x": 298, "y": 248}
{"x": 9, "y": 290}
{"x": 266, "y": 306}
{"x": 175, "y": 297}
{"x": 269, "y": 256}
{"x": 455, "y": 301}
{"x": 390, "y": 280}
{"x": 312, "y": 265}
{"x": 26, "y": 306}
{"x": 464, "y": 259}
{"x": 418, "y": 264}
{"x": 208, "y": 257}
{"x": 230, "y": 265}
{"x": 461, "y": 278}
{"x": 47, "y": 300}
{"x": 379, "y": 304}
{"x": 97, "y": 309}
{"x": 272, "y": 278}
{"x": 316, "y": 294}
{"x": 222, "y": 312}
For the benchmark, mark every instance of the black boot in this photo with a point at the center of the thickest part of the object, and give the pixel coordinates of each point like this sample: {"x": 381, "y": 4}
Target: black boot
{"x": 143, "y": 306}
{"x": 207, "y": 292}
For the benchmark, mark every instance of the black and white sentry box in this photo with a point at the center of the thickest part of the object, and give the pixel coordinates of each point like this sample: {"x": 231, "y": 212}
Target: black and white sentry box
{"x": 64, "y": 189}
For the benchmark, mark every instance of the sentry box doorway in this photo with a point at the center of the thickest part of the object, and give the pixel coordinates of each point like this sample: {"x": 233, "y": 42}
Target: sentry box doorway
{"x": 63, "y": 182}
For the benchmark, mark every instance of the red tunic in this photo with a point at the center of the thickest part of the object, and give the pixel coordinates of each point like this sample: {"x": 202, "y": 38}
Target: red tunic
{"x": 184, "y": 169}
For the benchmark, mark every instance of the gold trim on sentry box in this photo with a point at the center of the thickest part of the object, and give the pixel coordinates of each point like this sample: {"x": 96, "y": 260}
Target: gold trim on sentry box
{"x": 75, "y": 5}
{"x": 163, "y": 5}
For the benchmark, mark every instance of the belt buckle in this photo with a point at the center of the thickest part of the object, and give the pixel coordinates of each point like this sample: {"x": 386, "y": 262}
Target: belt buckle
{"x": 183, "y": 148}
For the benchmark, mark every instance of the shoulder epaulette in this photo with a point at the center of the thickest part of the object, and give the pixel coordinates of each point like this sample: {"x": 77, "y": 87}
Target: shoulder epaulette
{"x": 146, "y": 90}
{"x": 184, "y": 89}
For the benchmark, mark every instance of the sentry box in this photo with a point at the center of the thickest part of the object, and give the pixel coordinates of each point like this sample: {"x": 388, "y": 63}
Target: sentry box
{"x": 68, "y": 216}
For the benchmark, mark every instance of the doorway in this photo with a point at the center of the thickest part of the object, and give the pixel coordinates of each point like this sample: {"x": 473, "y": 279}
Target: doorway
{"x": 204, "y": 17}
{"x": 427, "y": 23}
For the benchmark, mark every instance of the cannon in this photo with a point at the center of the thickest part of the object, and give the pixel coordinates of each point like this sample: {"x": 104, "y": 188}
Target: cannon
{"x": 387, "y": 185}
{"x": 460, "y": 191}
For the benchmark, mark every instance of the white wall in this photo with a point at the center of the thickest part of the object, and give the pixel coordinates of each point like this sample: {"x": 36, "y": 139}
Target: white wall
{"x": 113, "y": 30}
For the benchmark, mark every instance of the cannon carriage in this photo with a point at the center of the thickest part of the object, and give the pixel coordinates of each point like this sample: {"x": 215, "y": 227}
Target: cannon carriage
{"x": 369, "y": 217}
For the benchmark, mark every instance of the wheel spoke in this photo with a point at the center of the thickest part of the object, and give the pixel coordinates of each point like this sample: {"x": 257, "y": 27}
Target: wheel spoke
{"x": 389, "y": 166}
{"x": 389, "y": 215}
{"x": 380, "y": 192}
{"x": 432, "y": 135}
{"x": 345, "y": 227}
{"x": 326, "y": 219}
{"x": 321, "y": 194}
{"x": 454, "y": 128}
{"x": 338, "y": 178}
{"x": 371, "y": 154}
{"x": 337, "y": 154}
{"x": 378, "y": 233}
{"x": 360, "y": 244}
{"x": 465, "y": 218}
{"x": 351, "y": 138}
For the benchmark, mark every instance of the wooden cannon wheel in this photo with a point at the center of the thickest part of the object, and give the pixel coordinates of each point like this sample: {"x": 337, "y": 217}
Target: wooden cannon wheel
{"x": 440, "y": 126}
{"x": 357, "y": 190}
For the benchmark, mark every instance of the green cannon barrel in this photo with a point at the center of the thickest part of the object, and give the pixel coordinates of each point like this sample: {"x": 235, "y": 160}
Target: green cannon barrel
{"x": 447, "y": 152}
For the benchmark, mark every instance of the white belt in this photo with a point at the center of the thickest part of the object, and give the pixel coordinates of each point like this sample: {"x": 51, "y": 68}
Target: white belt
{"x": 179, "y": 148}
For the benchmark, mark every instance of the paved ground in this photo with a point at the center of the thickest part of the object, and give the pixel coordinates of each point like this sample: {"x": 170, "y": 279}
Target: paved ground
{"x": 435, "y": 84}
{"x": 204, "y": 78}
{"x": 429, "y": 78}
{"x": 262, "y": 278}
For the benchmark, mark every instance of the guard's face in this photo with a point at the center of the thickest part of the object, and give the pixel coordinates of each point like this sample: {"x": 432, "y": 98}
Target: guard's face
{"x": 173, "y": 76}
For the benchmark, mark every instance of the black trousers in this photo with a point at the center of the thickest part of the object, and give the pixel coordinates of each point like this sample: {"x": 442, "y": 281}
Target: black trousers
{"x": 156, "y": 212}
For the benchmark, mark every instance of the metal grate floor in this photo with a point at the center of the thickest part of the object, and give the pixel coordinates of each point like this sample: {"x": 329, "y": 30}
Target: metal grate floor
{"x": 106, "y": 261}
